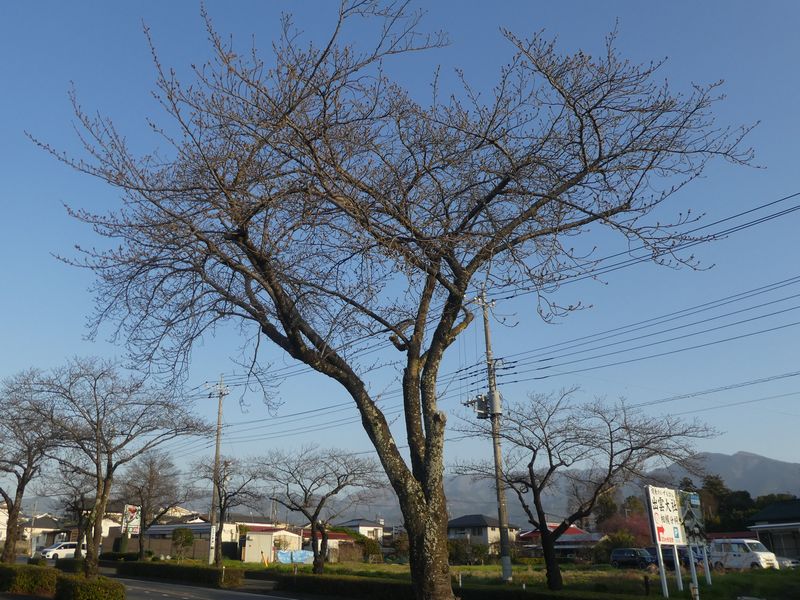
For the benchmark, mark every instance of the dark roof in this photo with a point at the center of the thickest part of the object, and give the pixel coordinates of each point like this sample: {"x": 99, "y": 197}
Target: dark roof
{"x": 475, "y": 521}
{"x": 360, "y": 523}
{"x": 243, "y": 518}
{"x": 785, "y": 511}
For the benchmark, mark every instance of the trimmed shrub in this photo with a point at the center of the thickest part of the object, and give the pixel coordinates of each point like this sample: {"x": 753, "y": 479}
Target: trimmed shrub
{"x": 70, "y": 565}
{"x": 28, "y": 579}
{"x": 77, "y": 587}
{"x": 194, "y": 575}
{"x": 345, "y": 586}
{"x": 129, "y": 556}
{"x": 37, "y": 560}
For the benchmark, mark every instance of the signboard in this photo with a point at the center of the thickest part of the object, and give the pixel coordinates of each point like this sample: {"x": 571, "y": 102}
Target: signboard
{"x": 692, "y": 518}
{"x": 665, "y": 515}
{"x": 131, "y": 519}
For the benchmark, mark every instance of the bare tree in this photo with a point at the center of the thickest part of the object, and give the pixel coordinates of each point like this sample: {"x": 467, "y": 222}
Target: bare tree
{"x": 103, "y": 421}
{"x": 312, "y": 198}
{"x": 308, "y": 481}
{"x": 24, "y": 443}
{"x": 237, "y": 486}
{"x": 74, "y": 489}
{"x": 154, "y": 483}
{"x": 586, "y": 449}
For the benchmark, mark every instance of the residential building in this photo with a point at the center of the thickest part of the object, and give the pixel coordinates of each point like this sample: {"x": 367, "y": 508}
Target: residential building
{"x": 365, "y": 527}
{"x": 479, "y": 529}
{"x": 777, "y": 526}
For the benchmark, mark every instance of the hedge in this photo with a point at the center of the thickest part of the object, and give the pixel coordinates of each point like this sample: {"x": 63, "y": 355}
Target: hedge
{"x": 194, "y": 575}
{"x": 70, "y": 565}
{"x": 77, "y": 587}
{"x": 128, "y": 556}
{"x": 28, "y": 579}
{"x": 391, "y": 589}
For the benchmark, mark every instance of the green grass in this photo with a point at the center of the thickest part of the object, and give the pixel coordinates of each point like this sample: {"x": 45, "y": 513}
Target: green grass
{"x": 772, "y": 585}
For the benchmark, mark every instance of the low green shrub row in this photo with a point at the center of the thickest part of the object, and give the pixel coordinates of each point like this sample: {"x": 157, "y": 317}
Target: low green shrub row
{"x": 37, "y": 560}
{"x": 46, "y": 581}
{"x": 195, "y": 575}
{"x": 76, "y": 587}
{"x": 127, "y": 556}
{"x": 28, "y": 579}
{"x": 391, "y": 589}
{"x": 345, "y": 585}
{"x": 70, "y": 565}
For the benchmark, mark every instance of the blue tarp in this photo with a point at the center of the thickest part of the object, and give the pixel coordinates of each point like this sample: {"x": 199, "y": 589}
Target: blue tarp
{"x": 297, "y": 556}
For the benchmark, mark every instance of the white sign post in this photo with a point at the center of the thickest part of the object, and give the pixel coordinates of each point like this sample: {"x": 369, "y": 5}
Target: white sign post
{"x": 131, "y": 519}
{"x": 665, "y": 519}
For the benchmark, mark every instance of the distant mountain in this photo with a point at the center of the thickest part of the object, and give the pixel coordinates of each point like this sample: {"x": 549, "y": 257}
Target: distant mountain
{"x": 758, "y": 475}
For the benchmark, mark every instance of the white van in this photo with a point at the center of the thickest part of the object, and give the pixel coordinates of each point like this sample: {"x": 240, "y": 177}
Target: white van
{"x": 741, "y": 553}
{"x": 61, "y": 550}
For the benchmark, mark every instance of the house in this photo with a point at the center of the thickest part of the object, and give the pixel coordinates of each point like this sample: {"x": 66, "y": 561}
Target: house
{"x": 43, "y": 530}
{"x": 479, "y": 529}
{"x": 573, "y": 541}
{"x": 365, "y": 527}
{"x": 259, "y": 544}
{"x": 777, "y": 526}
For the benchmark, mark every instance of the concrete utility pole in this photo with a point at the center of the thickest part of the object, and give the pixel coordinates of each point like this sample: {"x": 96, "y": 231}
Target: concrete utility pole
{"x": 213, "y": 550}
{"x": 495, "y": 410}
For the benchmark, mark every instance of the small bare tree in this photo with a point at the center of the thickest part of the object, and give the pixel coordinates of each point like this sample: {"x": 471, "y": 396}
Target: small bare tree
{"x": 587, "y": 449}
{"x": 308, "y": 481}
{"x": 237, "y": 485}
{"x": 155, "y": 484}
{"x": 74, "y": 490}
{"x": 311, "y": 197}
{"x": 24, "y": 443}
{"x": 103, "y": 420}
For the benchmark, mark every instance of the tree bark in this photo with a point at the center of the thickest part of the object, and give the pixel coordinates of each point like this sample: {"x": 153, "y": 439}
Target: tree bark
{"x": 12, "y": 534}
{"x": 426, "y": 523}
{"x": 554, "y": 579}
{"x": 319, "y": 558}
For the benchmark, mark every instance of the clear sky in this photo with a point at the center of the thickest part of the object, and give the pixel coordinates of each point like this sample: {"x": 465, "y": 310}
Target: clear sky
{"x": 99, "y": 48}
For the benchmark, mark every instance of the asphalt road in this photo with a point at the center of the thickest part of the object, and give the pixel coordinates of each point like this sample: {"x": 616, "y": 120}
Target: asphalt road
{"x": 152, "y": 590}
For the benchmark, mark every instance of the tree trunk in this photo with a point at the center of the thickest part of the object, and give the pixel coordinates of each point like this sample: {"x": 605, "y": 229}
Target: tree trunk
{"x": 142, "y": 531}
{"x": 321, "y": 550}
{"x": 91, "y": 567}
{"x": 554, "y": 580}
{"x": 12, "y": 534}
{"x": 426, "y": 525}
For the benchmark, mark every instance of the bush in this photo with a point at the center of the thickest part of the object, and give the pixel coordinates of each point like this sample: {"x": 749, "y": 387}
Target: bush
{"x": 28, "y": 579}
{"x": 70, "y": 565}
{"x": 77, "y": 587}
{"x": 37, "y": 560}
{"x": 195, "y": 575}
{"x": 129, "y": 556}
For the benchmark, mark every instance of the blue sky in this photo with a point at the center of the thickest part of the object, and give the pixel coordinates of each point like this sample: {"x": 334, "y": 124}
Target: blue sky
{"x": 99, "y": 48}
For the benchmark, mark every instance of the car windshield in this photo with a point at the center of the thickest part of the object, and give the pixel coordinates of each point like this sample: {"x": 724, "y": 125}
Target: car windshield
{"x": 756, "y": 547}
{"x": 643, "y": 552}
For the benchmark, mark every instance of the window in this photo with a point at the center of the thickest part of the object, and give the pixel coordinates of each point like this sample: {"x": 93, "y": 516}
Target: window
{"x": 476, "y": 531}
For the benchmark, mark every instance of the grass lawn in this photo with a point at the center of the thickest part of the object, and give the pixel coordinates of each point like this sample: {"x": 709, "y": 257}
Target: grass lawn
{"x": 772, "y": 585}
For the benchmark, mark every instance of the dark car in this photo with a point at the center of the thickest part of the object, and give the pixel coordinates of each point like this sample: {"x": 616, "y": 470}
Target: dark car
{"x": 669, "y": 557}
{"x": 631, "y": 557}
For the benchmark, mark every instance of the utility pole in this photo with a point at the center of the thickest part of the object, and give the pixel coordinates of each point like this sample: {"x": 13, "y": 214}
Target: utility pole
{"x": 495, "y": 410}
{"x": 215, "y": 552}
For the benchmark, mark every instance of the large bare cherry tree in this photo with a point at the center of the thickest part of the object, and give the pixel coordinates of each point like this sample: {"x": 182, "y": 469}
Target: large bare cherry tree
{"x": 307, "y": 194}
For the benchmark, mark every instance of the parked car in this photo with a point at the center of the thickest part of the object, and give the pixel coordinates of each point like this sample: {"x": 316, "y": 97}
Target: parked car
{"x": 683, "y": 556}
{"x": 61, "y": 550}
{"x": 741, "y": 553}
{"x": 631, "y": 557}
{"x": 788, "y": 563}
